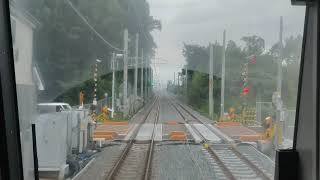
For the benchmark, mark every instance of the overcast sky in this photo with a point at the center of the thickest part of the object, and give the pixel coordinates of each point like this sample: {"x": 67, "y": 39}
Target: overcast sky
{"x": 203, "y": 21}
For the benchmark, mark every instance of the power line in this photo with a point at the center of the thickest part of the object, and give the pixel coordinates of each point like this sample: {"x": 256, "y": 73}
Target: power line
{"x": 92, "y": 28}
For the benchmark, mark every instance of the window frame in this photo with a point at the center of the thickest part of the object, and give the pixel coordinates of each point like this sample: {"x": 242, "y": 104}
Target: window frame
{"x": 307, "y": 130}
{"x": 10, "y": 149}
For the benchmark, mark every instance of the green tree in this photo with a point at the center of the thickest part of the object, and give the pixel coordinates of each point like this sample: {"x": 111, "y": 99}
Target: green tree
{"x": 197, "y": 58}
{"x": 292, "y": 48}
{"x": 254, "y": 45}
{"x": 66, "y": 48}
{"x": 291, "y": 63}
{"x": 233, "y": 50}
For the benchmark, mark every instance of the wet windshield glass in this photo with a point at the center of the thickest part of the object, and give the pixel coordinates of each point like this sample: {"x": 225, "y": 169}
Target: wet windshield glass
{"x": 163, "y": 89}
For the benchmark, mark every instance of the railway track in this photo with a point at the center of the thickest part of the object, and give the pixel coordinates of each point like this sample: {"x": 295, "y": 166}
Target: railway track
{"x": 227, "y": 161}
{"x": 135, "y": 160}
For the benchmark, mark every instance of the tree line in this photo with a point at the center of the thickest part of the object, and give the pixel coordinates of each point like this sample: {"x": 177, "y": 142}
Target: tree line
{"x": 65, "y": 48}
{"x": 262, "y": 73}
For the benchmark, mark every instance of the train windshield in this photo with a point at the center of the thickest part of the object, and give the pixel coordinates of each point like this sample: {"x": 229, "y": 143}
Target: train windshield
{"x": 156, "y": 89}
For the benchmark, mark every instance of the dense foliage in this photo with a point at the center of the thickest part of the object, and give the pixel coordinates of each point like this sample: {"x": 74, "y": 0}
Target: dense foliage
{"x": 65, "y": 48}
{"x": 262, "y": 74}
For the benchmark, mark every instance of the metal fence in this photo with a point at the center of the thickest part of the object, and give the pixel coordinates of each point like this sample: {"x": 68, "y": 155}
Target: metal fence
{"x": 264, "y": 109}
{"x": 289, "y": 120}
{"x": 133, "y": 105}
{"x": 100, "y": 104}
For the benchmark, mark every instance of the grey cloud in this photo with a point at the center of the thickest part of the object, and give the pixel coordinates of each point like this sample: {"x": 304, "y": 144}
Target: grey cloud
{"x": 172, "y": 3}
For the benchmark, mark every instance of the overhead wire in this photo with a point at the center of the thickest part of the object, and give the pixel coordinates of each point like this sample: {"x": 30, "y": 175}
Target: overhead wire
{"x": 92, "y": 28}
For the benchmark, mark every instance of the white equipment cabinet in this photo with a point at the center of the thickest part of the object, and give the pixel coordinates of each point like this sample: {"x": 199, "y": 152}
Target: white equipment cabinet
{"x": 51, "y": 133}
{"x": 77, "y": 131}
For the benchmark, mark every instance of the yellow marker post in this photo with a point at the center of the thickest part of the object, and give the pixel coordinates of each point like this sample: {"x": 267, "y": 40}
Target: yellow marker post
{"x": 206, "y": 146}
{"x": 104, "y": 116}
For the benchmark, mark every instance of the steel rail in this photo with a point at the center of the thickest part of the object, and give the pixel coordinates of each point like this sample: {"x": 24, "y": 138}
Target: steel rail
{"x": 224, "y": 168}
{"x": 151, "y": 147}
{"x": 125, "y": 152}
{"x": 258, "y": 171}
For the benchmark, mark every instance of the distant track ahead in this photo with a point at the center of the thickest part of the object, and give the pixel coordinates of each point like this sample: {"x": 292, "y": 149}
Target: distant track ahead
{"x": 135, "y": 160}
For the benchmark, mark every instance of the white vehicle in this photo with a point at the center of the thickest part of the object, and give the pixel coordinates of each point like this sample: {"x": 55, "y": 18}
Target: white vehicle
{"x": 53, "y": 107}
